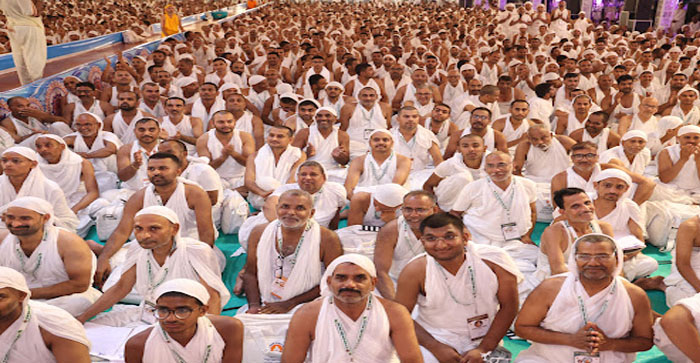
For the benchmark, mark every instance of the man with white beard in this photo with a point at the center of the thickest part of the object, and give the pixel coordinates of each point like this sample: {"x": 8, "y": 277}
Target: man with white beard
{"x": 542, "y": 154}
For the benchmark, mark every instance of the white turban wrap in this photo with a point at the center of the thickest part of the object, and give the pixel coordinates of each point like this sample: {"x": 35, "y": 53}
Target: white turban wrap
{"x": 376, "y": 131}
{"x": 613, "y": 173}
{"x": 185, "y": 81}
{"x": 14, "y": 280}
{"x": 32, "y": 203}
{"x": 634, "y": 133}
{"x": 356, "y": 259}
{"x": 161, "y": 211}
{"x": 336, "y": 84}
{"x": 227, "y": 86}
{"x": 53, "y": 137}
{"x": 391, "y": 195}
{"x": 253, "y": 80}
{"x": 687, "y": 129}
{"x": 185, "y": 286}
{"x": 329, "y": 109}
{"x": 466, "y": 67}
{"x": 24, "y": 151}
{"x": 668, "y": 123}
{"x": 573, "y": 267}
{"x": 691, "y": 89}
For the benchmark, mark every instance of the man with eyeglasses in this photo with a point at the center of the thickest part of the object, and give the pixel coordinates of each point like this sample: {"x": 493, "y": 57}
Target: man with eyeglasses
{"x": 643, "y": 120}
{"x": 480, "y": 124}
{"x": 286, "y": 256}
{"x": 459, "y": 278}
{"x": 399, "y": 240}
{"x": 500, "y": 210}
{"x": 590, "y": 314}
{"x": 184, "y": 331}
{"x": 160, "y": 255}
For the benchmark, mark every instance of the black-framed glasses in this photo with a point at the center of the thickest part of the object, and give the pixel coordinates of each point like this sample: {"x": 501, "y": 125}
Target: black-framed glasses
{"x": 584, "y": 156}
{"x": 162, "y": 313}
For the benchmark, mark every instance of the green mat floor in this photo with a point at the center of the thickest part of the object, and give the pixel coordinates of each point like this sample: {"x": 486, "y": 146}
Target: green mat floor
{"x": 229, "y": 245}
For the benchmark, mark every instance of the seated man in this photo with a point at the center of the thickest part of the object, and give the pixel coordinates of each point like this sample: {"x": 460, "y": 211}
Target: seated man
{"x": 325, "y": 143}
{"x": 131, "y": 169}
{"x": 453, "y": 174}
{"x": 98, "y": 147}
{"x": 416, "y": 143}
{"x": 379, "y": 166}
{"x": 57, "y": 264}
{"x": 306, "y": 109}
{"x": 86, "y": 102}
{"x": 632, "y": 152}
{"x": 245, "y": 120}
{"x": 22, "y": 177}
{"x": 515, "y": 126}
{"x": 625, "y": 217}
{"x": 188, "y": 201}
{"x": 595, "y": 129}
{"x": 176, "y": 125}
{"x": 577, "y": 219}
{"x": 72, "y": 173}
{"x": 441, "y": 125}
{"x": 542, "y": 154}
{"x": 25, "y": 122}
{"x": 184, "y": 328}
{"x": 438, "y": 285}
{"x": 274, "y": 164}
{"x": 590, "y": 314}
{"x": 160, "y": 255}
{"x": 123, "y": 121}
{"x": 684, "y": 281}
{"x": 361, "y": 119}
{"x": 376, "y": 205}
{"x": 44, "y": 334}
{"x": 347, "y": 308}
{"x": 678, "y": 164}
{"x": 676, "y": 333}
{"x": 286, "y": 257}
{"x": 499, "y": 210}
{"x": 479, "y": 122}
{"x": 228, "y": 149}
{"x": 399, "y": 240}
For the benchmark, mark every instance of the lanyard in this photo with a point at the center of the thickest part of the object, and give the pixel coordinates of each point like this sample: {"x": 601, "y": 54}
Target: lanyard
{"x": 582, "y": 307}
{"x": 472, "y": 280}
{"x": 500, "y": 201}
{"x": 20, "y": 331}
{"x": 384, "y": 168}
{"x": 408, "y": 239}
{"x": 293, "y": 261}
{"x": 151, "y": 277}
{"x": 344, "y": 336}
{"x": 368, "y": 116}
{"x": 23, "y": 258}
{"x": 178, "y": 357}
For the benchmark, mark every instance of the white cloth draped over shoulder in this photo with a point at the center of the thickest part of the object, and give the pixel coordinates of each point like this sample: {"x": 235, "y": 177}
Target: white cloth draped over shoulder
{"x": 307, "y": 269}
{"x": 540, "y": 166}
{"x": 456, "y": 294}
{"x": 100, "y": 164}
{"x": 377, "y": 174}
{"x": 638, "y": 164}
{"x": 206, "y": 342}
{"x": 407, "y": 247}
{"x": 66, "y": 173}
{"x": 230, "y": 170}
{"x": 573, "y": 180}
{"x": 178, "y": 204}
{"x": 125, "y": 131}
{"x": 265, "y": 165}
{"x": 375, "y": 345}
{"x": 417, "y": 148}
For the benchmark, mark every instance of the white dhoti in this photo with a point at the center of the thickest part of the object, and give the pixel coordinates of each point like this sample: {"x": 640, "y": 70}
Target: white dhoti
{"x": 29, "y": 52}
{"x": 677, "y": 287}
{"x": 661, "y": 339}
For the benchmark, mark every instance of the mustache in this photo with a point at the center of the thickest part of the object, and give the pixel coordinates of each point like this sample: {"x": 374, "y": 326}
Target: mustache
{"x": 349, "y": 290}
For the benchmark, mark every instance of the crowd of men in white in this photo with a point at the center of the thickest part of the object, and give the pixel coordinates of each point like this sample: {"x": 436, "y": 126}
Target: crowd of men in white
{"x": 449, "y": 133}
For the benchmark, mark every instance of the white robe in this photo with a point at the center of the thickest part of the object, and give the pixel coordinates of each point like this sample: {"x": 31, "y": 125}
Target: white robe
{"x": 664, "y": 343}
{"x": 677, "y": 286}
{"x": 198, "y": 110}
{"x": 376, "y": 174}
{"x": 67, "y": 174}
{"x": 687, "y": 180}
{"x": 361, "y": 124}
{"x": 125, "y": 131}
{"x": 417, "y": 149}
{"x": 512, "y": 134}
{"x": 184, "y": 127}
{"x": 140, "y": 178}
{"x": 44, "y": 267}
{"x": 407, "y": 247}
{"x": 601, "y": 140}
{"x": 206, "y": 342}
{"x": 455, "y": 176}
{"x": 230, "y": 171}
{"x": 573, "y": 180}
{"x": 30, "y": 347}
{"x": 375, "y": 346}
{"x": 265, "y": 165}
{"x": 638, "y": 165}
{"x": 105, "y": 168}
{"x": 178, "y": 204}
{"x": 327, "y": 200}
{"x": 540, "y": 166}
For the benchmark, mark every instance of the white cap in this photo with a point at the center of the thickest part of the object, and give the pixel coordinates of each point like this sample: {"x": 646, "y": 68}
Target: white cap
{"x": 613, "y": 173}
{"x": 188, "y": 287}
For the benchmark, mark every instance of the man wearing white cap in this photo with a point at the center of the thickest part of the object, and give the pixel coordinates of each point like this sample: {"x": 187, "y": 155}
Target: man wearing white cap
{"x": 185, "y": 332}
{"x": 589, "y": 314}
{"x": 632, "y": 152}
{"x": 485, "y": 293}
{"x": 676, "y": 333}
{"x": 258, "y": 92}
{"x": 304, "y": 117}
{"x": 271, "y": 166}
{"x": 350, "y": 322}
{"x": 376, "y": 205}
{"x": 179, "y": 126}
{"x": 500, "y": 210}
{"x": 379, "y": 166}
{"x": 686, "y": 108}
{"x": 190, "y": 89}
{"x": 361, "y": 119}
{"x": 678, "y": 164}
{"x": 325, "y": 143}
{"x": 160, "y": 255}
{"x": 36, "y": 332}
{"x": 57, "y": 264}
{"x": 335, "y": 97}
{"x": 23, "y": 177}
{"x": 75, "y": 176}
{"x": 286, "y": 256}
{"x": 97, "y": 146}
{"x": 625, "y": 217}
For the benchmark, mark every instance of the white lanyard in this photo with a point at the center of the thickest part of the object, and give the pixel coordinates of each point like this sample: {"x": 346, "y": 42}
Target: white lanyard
{"x": 343, "y": 334}
{"x": 472, "y": 279}
{"x": 582, "y": 306}
{"x": 178, "y": 357}
{"x": 500, "y": 201}
{"x": 293, "y": 261}
{"x": 384, "y": 168}
{"x": 20, "y": 331}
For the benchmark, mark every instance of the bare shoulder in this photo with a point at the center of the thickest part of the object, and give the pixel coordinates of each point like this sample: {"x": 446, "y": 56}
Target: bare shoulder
{"x": 327, "y": 234}
{"x": 394, "y": 310}
{"x": 226, "y": 325}
{"x": 68, "y": 239}
{"x": 550, "y": 287}
{"x": 636, "y": 294}
{"x": 138, "y": 341}
{"x": 417, "y": 265}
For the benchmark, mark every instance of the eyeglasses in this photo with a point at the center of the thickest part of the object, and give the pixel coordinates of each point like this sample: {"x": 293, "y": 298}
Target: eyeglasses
{"x": 480, "y": 117}
{"x": 445, "y": 238}
{"x": 588, "y": 258}
{"x": 584, "y": 156}
{"x": 162, "y": 313}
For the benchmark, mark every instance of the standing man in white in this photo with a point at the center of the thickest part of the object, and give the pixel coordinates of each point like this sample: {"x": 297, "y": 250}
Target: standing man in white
{"x": 26, "y": 32}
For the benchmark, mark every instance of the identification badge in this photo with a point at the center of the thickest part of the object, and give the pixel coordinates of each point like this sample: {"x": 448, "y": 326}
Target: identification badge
{"x": 278, "y": 287}
{"x": 478, "y": 326}
{"x": 367, "y": 133}
{"x": 147, "y": 311}
{"x": 585, "y": 357}
{"x": 510, "y": 231}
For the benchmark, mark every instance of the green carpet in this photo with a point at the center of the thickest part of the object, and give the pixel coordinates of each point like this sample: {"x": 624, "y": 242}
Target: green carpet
{"x": 229, "y": 244}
